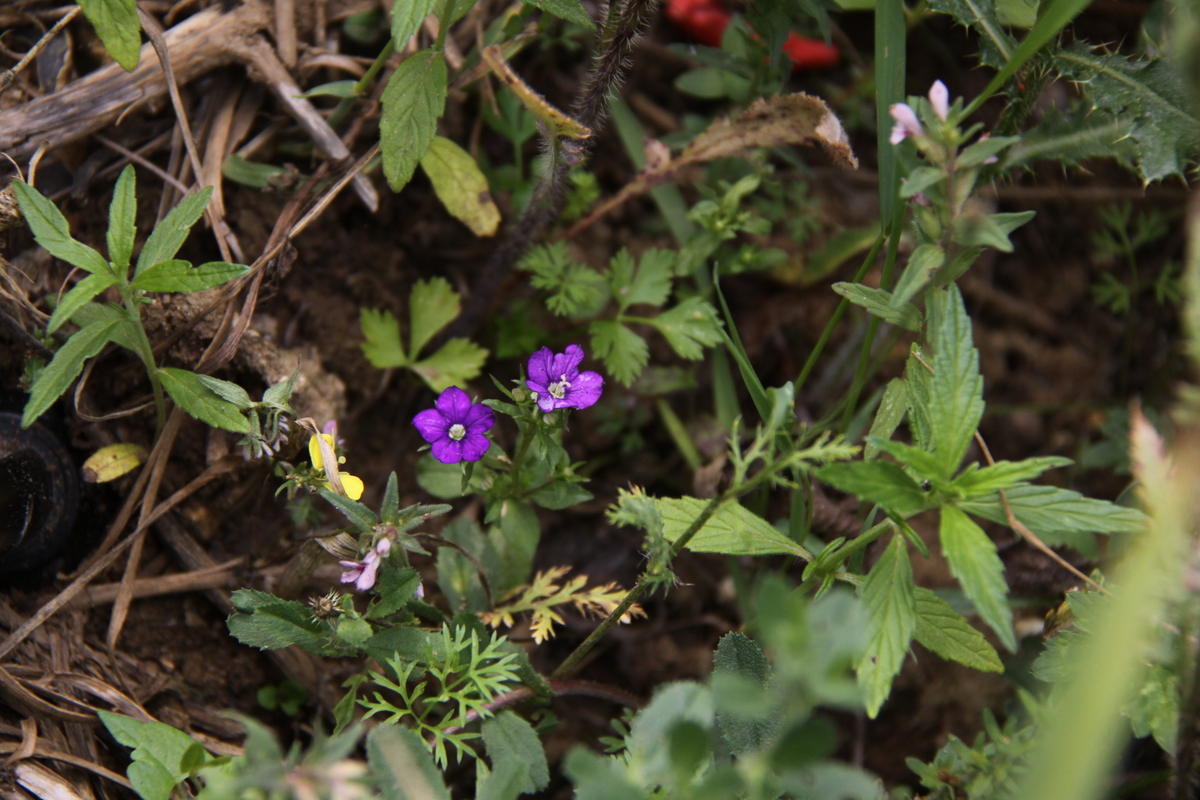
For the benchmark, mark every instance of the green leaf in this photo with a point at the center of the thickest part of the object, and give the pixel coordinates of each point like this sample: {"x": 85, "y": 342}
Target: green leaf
{"x": 1005, "y": 474}
{"x": 988, "y": 230}
{"x": 453, "y": 364}
{"x": 81, "y": 294}
{"x": 922, "y": 264}
{"x": 66, "y": 365}
{"x": 942, "y": 630}
{"x": 229, "y": 391}
{"x": 402, "y": 766}
{"x": 201, "y": 402}
{"x": 560, "y": 494}
{"x": 984, "y": 149}
{"x": 180, "y": 276}
{"x": 413, "y": 102}
{"x": 690, "y": 327}
{"x": 888, "y": 417}
{"x": 570, "y": 10}
{"x": 1072, "y": 138}
{"x": 973, "y": 561}
{"x": 740, "y": 656}
{"x": 926, "y": 464}
{"x": 169, "y": 235}
{"x": 1017, "y": 13}
{"x": 879, "y": 482}
{"x": 51, "y": 231}
{"x": 502, "y": 782}
{"x": 648, "y": 284}
{"x": 956, "y": 387}
{"x": 732, "y": 530}
{"x": 407, "y": 18}
{"x": 575, "y": 288}
{"x": 432, "y": 305}
{"x": 461, "y": 186}
{"x": 507, "y": 737}
{"x": 382, "y": 347}
{"x": 625, "y": 353}
{"x": 879, "y": 303}
{"x": 892, "y": 619}
{"x": 1155, "y": 708}
{"x": 1150, "y": 94}
{"x": 267, "y": 622}
{"x": 128, "y": 332}
{"x": 599, "y": 778}
{"x": 159, "y": 752}
{"x": 361, "y": 517}
{"x": 996, "y": 47}
{"x": 1048, "y": 510}
{"x": 116, "y": 23}
{"x": 122, "y": 221}
{"x": 342, "y": 89}
{"x": 671, "y": 705}
{"x": 444, "y": 481}
{"x": 520, "y": 533}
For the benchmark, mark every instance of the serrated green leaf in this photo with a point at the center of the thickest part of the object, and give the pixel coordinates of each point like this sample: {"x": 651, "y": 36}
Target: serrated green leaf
{"x": 228, "y": 390}
{"x": 80, "y": 294}
{"x": 1073, "y": 138}
{"x": 624, "y": 352}
{"x": 122, "y": 221}
{"x": 461, "y": 186}
{"x": 1155, "y": 707}
{"x": 361, "y": 517}
{"x": 201, "y": 402}
{"x": 1005, "y": 474}
{"x": 974, "y": 562}
{"x": 879, "y": 482}
{"x": 1017, "y": 13}
{"x": 169, "y": 235}
{"x": 407, "y": 18}
{"x": 878, "y": 302}
{"x": 892, "y": 618}
{"x": 453, "y": 364}
{"x": 180, "y": 276}
{"x": 570, "y": 10}
{"x": 269, "y": 623}
{"x": 159, "y": 752}
{"x": 956, "y": 387}
{"x": 1150, "y": 94}
{"x": 51, "y": 231}
{"x": 507, "y": 737}
{"x": 732, "y": 530}
{"x": 413, "y": 102}
{"x": 922, "y": 264}
{"x": 995, "y": 45}
{"x": 116, "y": 23}
{"x": 649, "y": 283}
{"x": 738, "y": 656}
{"x": 942, "y": 630}
{"x": 432, "y": 306}
{"x": 575, "y": 288}
{"x": 502, "y": 782}
{"x": 926, "y": 464}
{"x": 690, "y": 327}
{"x": 402, "y": 765}
{"x": 1048, "y": 510}
{"x": 382, "y": 347}
{"x": 888, "y": 417}
{"x": 66, "y": 365}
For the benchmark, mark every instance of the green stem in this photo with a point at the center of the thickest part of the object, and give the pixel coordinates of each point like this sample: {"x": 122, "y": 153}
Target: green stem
{"x": 145, "y": 352}
{"x": 837, "y": 315}
{"x": 364, "y": 83}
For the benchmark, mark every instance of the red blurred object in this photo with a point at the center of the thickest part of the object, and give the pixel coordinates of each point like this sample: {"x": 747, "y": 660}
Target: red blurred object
{"x": 706, "y": 20}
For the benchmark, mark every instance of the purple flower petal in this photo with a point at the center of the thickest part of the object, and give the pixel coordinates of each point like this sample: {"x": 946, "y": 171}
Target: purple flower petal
{"x": 907, "y": 123}
{"x": 474, "y": 445}
{"x": 585, "y": 390}
{"x": 540, "y": 364}
{"x": 547, "y": 402}
{"x": 939, "y": 98}
{"x": 454, "y": 404}
{"x": 480, "y": 419}
{"x": 447, "y": 450}
{"x": 568, "y": 362}
{"x": 431, "y": 425}
{"x": 367, "y": 579}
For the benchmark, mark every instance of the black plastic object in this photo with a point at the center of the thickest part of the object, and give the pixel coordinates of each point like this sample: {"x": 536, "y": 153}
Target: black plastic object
{"x": 39, "y": 500}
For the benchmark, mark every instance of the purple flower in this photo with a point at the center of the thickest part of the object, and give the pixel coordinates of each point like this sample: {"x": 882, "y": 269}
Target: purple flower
{"x": 907, "y": 123}
{"x": 556, "y": 379}
{"x": 456, "y": 427}
{"x": 362, "y": 573}
{"x": 939, "y": 98}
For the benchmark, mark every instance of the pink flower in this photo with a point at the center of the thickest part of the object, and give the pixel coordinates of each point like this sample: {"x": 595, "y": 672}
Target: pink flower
{"x": 362, "y": 573}
{"x": 907, "y": 123}
{"x": 939, "y": 98}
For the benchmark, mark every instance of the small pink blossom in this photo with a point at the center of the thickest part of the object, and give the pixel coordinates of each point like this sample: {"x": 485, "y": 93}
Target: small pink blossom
{"x": 939, "y": 98}
{"x": 907, "y": 123}
{"x": 362, "y": 573}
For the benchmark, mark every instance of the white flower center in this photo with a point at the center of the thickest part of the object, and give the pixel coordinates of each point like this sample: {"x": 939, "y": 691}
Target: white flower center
{"x": 457, "y": 431}
{"x": 559, "y": 390}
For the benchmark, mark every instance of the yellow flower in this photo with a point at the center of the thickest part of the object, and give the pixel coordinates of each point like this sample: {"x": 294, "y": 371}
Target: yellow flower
{"x": 353, "y": 486}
